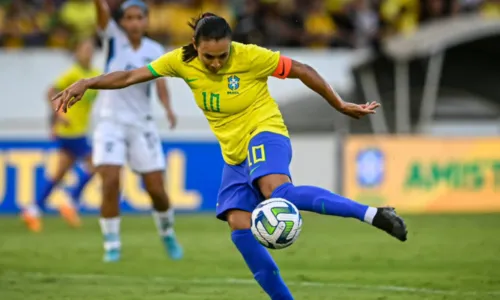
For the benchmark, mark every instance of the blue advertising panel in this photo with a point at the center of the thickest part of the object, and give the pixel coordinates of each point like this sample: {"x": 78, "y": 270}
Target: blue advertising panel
{"x": 192, "y": 178}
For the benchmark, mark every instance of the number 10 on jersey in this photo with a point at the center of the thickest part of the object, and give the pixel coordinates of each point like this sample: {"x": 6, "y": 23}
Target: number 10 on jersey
{"x": 211, "y": 103}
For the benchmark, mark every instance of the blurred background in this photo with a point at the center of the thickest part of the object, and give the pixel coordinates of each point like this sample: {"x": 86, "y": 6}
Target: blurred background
{"x": 433, "y": 64}
{"x": 432, "y": 148}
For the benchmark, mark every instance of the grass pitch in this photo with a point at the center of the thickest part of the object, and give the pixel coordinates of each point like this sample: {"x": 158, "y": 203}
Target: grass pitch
{"x": 446, "y": 257}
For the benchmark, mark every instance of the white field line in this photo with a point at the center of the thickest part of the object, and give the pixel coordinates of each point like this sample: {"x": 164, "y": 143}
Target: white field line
{"x": 237, "y": 281}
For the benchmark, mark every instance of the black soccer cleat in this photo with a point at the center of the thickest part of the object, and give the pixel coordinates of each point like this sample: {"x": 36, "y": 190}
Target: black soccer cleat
{"x": 387, "y": 220}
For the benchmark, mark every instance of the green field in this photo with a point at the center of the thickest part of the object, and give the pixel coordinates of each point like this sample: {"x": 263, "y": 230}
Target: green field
{"x": 446, "y": 257}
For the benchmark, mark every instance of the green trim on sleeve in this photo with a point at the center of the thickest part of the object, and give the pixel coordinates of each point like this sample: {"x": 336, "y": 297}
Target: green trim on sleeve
{"x": 155, "y": 74}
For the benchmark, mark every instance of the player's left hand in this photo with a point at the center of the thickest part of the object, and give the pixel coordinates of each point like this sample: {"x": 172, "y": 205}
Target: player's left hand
{"x": 172, "y": 119}
{"x": 358, "y": 111}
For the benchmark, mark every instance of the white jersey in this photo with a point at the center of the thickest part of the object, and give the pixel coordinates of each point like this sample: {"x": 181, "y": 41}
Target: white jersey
{"x": 131, "y": 104}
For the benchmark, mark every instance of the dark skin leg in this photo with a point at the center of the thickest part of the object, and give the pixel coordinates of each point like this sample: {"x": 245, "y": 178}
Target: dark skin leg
{"x": 153, "y": 182}
{"x": 66, "y": 161}
{"x": 110, "y": 178}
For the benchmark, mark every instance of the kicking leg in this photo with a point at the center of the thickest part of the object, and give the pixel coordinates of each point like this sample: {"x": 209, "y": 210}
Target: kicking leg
{"x": 110, "y": 211}
{"x": 256, "y": 256}
{"x": 315, "y": 199}
{"x": 163, "y": 213}
{"x": 31, "y": 216}
{"x": 269, "y": 159}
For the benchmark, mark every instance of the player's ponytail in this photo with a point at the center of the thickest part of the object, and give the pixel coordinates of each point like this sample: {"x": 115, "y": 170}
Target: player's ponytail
{"x": 207, "y": 26}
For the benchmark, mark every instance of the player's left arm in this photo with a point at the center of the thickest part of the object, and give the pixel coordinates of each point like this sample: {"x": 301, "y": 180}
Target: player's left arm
{"x": 163, "y": 95}
{"x": 289, "y": 68}
{"x": 267, "y": 63}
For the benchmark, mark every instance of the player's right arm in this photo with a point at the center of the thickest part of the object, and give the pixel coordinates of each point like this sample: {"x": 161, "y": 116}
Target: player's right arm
{"x": 103, "y": 14}
{"x": 107, "y": 27}
{"x": 163, "y": 66}
{"x": 110, "y": 81}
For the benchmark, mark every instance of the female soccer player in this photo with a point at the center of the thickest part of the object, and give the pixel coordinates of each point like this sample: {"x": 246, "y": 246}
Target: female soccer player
{"x": 229, "y": 83}
{"x": 70, "y": 133}
{"x": 125, "y": 131}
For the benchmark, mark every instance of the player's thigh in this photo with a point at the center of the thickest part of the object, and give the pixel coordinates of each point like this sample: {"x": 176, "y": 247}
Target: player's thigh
{"x": 237, "y": 198}
{"x": 145, "y": 152}
{"x": 110, "y": 183}
{"x": 65, "y": 161}
{"x": 77, "y": 148}
{"x": 269, "y": 157}
{"x": 109, "y": 147}
{"x": 83, "y": 151}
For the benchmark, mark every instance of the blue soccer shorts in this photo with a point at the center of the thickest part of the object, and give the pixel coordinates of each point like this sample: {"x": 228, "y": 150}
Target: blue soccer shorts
{"x": 268, "y": 153}
{"x": 79, "y": 147}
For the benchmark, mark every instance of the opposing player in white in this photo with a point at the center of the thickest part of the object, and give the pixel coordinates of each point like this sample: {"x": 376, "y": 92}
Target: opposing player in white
{"x": 124, "y": 130}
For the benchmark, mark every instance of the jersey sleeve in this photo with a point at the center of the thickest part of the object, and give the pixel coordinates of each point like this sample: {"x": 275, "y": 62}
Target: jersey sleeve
{"x": 65, "y": 80}
{"x": 166, "y": 65}
{"x": 112, "y": 30}
{"x": 161, "y": 50}
{"x": 265, "y": 63}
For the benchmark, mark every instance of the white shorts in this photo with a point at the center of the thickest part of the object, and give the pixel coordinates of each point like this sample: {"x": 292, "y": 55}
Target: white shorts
{"x": 115, "y": 143}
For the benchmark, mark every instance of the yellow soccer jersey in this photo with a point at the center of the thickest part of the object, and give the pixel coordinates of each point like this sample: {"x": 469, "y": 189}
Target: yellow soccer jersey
{"x": 236, "y": 100}
{"x": 78, "y": 116}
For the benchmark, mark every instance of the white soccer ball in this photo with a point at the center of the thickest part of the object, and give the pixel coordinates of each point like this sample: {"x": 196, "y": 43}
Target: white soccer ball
{"x": 276, "y": 223}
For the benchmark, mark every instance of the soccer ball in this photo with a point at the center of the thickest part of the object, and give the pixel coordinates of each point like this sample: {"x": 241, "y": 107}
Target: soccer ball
{"x": 276, "y": 223}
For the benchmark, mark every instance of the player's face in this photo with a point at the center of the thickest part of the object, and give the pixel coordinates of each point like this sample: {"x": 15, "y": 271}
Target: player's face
{"x": 214, "y": 53}
{"x": 84, "y": 52}
{"x": 134, "y": 21}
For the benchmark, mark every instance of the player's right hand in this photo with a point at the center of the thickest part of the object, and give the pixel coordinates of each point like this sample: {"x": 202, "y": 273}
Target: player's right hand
{"x": 66, "y": 98}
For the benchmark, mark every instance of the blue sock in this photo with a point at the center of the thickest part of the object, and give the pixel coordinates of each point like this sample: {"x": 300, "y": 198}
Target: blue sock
{"x": 77, "y": 191}
{"x": 262, "y": 265}
{"x": 41, "y": 200}
{"x": 315, "y": 199}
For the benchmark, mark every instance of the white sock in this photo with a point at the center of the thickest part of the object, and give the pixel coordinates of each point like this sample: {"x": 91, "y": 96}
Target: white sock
{"x": 370, "y": 214}
{"x": 110, "y": 228}
{"x": 164, "y": 222}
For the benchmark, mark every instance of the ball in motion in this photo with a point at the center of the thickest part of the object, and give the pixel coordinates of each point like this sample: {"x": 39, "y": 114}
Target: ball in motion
{"x": 276, "y": 223}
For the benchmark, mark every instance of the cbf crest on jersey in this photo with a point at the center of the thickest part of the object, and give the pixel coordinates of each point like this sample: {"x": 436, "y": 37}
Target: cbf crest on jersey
{"x": 233, "y": 83}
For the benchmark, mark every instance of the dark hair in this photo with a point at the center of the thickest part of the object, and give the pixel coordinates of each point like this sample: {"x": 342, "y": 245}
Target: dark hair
{"x": 131, "y": 3}
{"x": 120, "y": 13}
{"x": 207, "y": 26}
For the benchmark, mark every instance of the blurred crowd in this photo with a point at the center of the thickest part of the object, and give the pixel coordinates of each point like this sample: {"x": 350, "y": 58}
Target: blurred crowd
{"x": 290, "y": 23}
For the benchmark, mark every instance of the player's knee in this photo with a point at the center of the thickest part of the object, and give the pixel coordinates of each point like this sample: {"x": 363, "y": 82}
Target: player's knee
{"x": 111, "y": 182}
{"x": 238, "y": 219}
{"x": 269, "y": 183}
